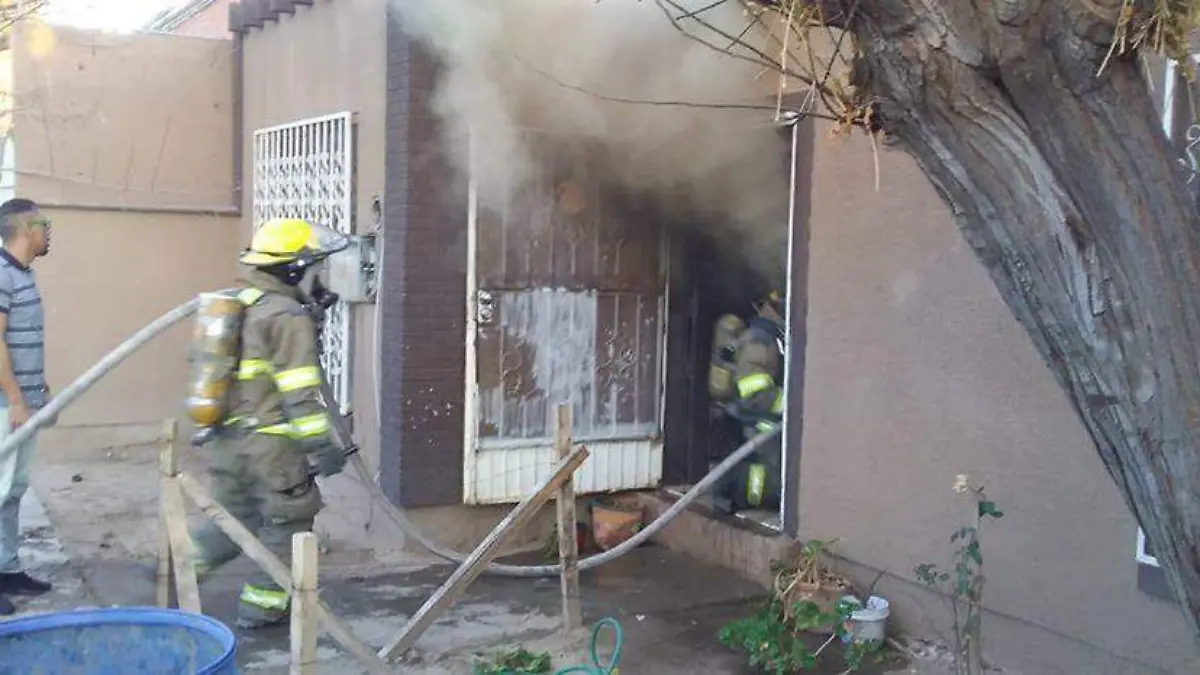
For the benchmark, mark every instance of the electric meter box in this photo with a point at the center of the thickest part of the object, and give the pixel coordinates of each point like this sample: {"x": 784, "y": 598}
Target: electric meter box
{"x": 351, "y": 272}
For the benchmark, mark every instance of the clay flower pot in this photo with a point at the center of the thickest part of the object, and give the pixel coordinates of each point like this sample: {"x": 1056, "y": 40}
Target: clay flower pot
{"x": 614, "y": 522}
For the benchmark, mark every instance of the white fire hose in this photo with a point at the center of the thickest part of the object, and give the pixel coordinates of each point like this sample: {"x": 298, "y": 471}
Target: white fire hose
{"x": 96, "y": 373}
{"x": 398, "y": 516}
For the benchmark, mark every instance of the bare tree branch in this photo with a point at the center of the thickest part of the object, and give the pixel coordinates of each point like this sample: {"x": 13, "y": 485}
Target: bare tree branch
{"x": 651, "y": 102}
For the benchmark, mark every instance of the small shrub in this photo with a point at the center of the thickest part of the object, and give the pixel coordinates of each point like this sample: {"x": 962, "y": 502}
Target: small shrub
{"x": 774, "y": 637}
{"x": 965, "y": 583}
{"x": 519, "y": 661}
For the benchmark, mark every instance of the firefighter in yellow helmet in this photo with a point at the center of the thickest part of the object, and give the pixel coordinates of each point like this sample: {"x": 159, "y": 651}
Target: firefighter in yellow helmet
{"x": 758, "y": 404}
{"x": 261, "y": 470}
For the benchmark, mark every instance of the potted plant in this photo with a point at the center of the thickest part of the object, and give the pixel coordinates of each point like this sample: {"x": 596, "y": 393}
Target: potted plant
{"x": 867, "y": 616}
{"x": 615, "y": 520}
{"x": 778, "y": 638}
{"x": 810, "y": 580}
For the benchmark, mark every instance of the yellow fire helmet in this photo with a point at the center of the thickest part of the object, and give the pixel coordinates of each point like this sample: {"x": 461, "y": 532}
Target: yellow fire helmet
{"x": 292, "y": 240}
{"x": 774, "y": 300}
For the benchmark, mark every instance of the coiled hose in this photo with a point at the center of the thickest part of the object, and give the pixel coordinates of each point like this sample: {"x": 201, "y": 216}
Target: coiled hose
{"x": 397, "y": 515}
{"x": 596, "y": 667}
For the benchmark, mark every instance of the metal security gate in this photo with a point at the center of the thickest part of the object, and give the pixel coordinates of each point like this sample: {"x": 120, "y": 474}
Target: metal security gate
{"x": 305, "y": 169}
{"x": 566, "y": 304}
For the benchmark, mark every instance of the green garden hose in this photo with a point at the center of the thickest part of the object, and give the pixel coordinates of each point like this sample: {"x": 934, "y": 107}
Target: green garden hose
{"x": 596, "y": 668}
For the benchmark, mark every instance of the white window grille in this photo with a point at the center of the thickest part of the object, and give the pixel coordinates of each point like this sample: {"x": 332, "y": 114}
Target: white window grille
{"x": 8, "y": 168}
{"x": 305, "y": 169}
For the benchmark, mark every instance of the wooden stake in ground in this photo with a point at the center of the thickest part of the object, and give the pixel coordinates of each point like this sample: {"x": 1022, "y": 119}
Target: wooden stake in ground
{"x": 162, "y": 590}
{"x": 187, "y": 591}
{"x": 568, "y": 546}
{"x": 482, "y": 556}
{"x": 278, "y": 572}
{"x": 166, "y": 469}
{"x": 304, "y": 604}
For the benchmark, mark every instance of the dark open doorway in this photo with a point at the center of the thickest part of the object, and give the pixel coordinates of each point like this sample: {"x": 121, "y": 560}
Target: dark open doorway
{"x": 709, "y": 277}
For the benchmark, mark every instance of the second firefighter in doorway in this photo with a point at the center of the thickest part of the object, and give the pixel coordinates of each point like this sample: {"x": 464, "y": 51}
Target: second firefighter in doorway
{"x": 276, "y": 435}
{"x": 745, "y": 381}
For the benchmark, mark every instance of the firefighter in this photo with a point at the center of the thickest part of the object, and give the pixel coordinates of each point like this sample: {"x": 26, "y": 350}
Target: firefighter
{"x": 261, "y": 469}
{"x": 756, "y": 360}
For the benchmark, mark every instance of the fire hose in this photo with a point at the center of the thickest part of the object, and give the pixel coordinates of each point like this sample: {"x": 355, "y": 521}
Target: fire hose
{"x": 344, "y": 436}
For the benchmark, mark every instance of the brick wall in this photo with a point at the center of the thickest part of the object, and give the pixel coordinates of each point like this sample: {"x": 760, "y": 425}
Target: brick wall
{"x": 423, "y": 322}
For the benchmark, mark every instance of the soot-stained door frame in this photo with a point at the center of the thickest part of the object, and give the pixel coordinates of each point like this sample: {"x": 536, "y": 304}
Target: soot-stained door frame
{"x": 799, "y": 210}
{"x": 687, "y": 427}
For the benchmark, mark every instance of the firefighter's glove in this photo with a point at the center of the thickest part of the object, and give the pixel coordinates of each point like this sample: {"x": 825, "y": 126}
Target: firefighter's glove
{"x": 330, "y": 460}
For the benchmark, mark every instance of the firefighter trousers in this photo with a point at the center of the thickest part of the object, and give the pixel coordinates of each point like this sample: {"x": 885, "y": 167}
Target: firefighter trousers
{"x": 756, "y": 482}
{"x": 264, "y": 481}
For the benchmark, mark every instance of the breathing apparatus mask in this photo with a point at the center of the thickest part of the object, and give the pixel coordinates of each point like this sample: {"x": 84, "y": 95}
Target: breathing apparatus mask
{"x": 304, "y": 274}
{"x": 320, "y": 298}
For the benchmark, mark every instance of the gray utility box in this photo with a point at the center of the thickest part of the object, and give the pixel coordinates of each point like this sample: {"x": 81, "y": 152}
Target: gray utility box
{"x": 352, "y": 272}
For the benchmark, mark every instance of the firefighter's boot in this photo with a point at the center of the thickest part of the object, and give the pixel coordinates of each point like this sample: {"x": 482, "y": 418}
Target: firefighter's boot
{"x": 262, "y": 606}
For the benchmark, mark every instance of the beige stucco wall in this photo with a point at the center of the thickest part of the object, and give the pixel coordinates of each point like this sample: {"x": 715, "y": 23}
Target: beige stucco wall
{"x": 323, "y": 59}
{"x": 917, "y": 372}
{"x": 109, "y": 274}
{"x": 133, "y": 121}
{"x": 126, "y": 141}
{"x": 210, "y": 22}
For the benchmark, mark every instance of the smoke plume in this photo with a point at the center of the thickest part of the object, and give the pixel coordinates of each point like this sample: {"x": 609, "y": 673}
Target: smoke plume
{"x": 553, "y": 67}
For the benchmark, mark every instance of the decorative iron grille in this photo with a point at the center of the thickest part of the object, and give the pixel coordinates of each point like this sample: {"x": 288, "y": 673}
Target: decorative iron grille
{"x": 1174, "y": 80}
{"x": 1189, "y": 160}
{"x": 305, "y": 169}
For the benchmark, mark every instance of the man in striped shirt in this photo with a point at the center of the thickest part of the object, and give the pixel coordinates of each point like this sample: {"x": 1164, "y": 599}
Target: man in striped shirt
{"x": 26, "y": 236}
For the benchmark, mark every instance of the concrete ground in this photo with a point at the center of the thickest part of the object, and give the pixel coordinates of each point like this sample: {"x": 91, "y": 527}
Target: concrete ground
{"x": 95, "y": 537}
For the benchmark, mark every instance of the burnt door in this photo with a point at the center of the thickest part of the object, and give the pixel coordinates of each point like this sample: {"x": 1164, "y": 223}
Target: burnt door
{"x": 566, "y": 305}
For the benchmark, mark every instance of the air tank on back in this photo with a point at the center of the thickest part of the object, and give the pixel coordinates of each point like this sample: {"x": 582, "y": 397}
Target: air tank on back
{"x": 213, "y": 360}
{"x": 724, "y": 352}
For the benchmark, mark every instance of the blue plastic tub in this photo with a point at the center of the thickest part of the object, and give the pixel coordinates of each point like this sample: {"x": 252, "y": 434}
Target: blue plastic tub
{"x": 119, "y": 641}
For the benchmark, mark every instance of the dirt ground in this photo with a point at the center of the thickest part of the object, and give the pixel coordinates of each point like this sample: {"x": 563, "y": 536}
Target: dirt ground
{"x": 96, "y": 539}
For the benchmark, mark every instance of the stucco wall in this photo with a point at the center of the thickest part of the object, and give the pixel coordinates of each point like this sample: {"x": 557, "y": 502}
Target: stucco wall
{"x": 917, "y": 372}
{"x": 138, "y": 121}
{"x": 210, "y": 22}
{"x": 326, "y": 58}
{"x": 110, "y": 273}
{"x": 126, "y": 141}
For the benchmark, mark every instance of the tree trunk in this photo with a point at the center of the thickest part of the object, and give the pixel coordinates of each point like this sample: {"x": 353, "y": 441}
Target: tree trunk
{"x": 1066, "y": 188}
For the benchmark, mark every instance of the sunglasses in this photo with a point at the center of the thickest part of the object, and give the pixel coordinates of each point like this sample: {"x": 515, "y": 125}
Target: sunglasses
{"x": 40, "y": 222}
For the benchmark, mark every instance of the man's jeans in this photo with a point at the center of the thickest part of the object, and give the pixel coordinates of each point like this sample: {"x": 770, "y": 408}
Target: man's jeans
{"x": 14, "y": 481}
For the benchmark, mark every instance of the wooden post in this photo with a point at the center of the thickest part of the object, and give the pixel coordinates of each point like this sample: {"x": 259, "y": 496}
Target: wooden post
{"x": 304, "y": 604}
{"x": 166, "y": 469}
{"x": 278, "y": 572}
{"x": 187, "y": 591}
{"x": 482, "y": 556}
{"x": 163, "y": 580}
{"x": 568, "y": 546}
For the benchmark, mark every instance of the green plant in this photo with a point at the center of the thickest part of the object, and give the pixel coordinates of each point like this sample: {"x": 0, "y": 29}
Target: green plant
{"x": 774, "y": 637}
{"x": 518, "y": 661}
{"x": 858, "y": 652}
{"x": 773, "y": 640}
{"x": 550, "y": 548}
{"x": 965, "y": 583}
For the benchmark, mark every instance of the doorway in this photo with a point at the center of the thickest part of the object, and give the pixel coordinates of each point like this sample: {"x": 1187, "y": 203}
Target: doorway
{"x": 566, "y": 292}
{"x": 569, "y": 275}
{"x": 709, "y": 278}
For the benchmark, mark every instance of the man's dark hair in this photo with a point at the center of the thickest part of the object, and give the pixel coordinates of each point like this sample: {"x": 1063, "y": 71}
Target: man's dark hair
{"x": 10, "y": 208}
